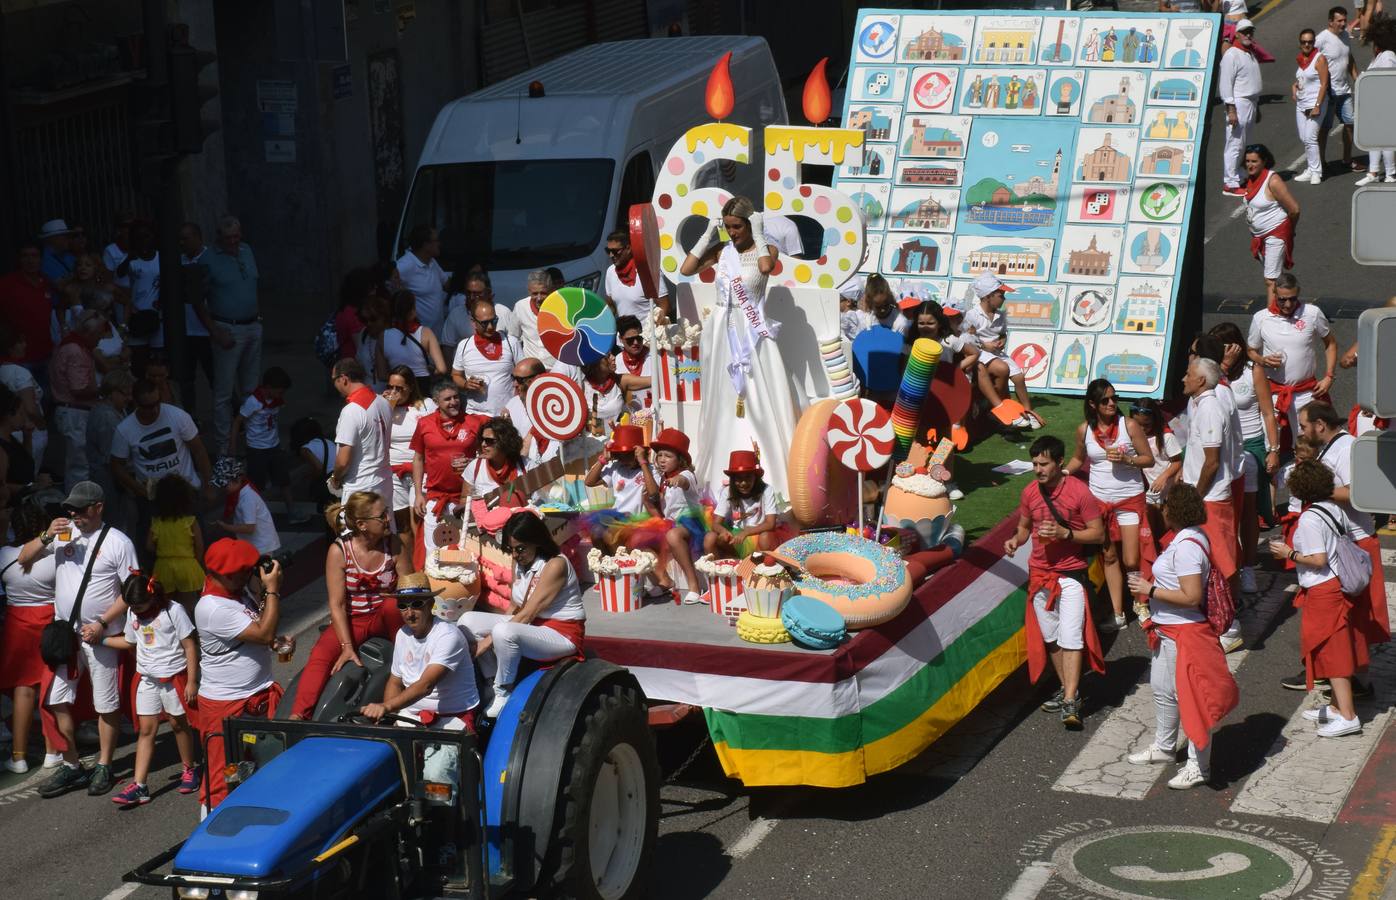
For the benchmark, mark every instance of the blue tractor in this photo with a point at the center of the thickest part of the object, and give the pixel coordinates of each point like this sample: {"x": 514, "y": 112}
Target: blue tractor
{"x": 559, "y": 795}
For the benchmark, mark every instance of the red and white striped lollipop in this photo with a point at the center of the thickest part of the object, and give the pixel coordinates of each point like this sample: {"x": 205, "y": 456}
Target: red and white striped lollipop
{"x": 860, "y": 434}
{"x": 557, "y": 406}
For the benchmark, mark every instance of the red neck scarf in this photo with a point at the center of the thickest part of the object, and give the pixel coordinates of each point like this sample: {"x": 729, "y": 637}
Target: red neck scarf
{"x": 633, "y": 365}
{"x": 267, "y": 402}
{"x": 214, "y": 589}
{"x": 1255, "y": 185}
{"x": 230, "y": 501}
{"x": 627, "y": 273}
{"x": 491, "y": 347}
{"x": 503, "y": 474}
{"x": 1106, "y": 437}
{"x": 363, "y": 396}
{"x": 1304, "y": 59}
{"x": 1274, "y": 308}
{"x": 603, "y": 386}
{"x": 449, "y": 427}
{"x": 1236, "y": 42}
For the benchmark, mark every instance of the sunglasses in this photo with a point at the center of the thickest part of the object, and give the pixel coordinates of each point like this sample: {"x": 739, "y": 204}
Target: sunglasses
{"x": 406, "y": 603}
{"x": 395, "y": 388}
{"x": 71, "y": 511}
{"x": 524, "y": 379}
{"x": 490, "y": 322}
{"x": 1109, "y": 399}
{"x": 614, "y": 251}
{"x": 516, "y": 549}
{"x": 1140, "y": 411}
{"x": 634, "y": 339}
{"x": 1306, "y": 43}
{"x": 488, "y": 441}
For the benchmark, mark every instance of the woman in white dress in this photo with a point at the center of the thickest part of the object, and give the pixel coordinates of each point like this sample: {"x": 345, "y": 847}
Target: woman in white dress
{"x": 746, "y": 390}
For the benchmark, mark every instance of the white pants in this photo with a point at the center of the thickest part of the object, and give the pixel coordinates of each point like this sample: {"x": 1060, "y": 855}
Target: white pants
{"x": 1063, "y": 626}
{"x": 513, "y": 641}
{"x": 1163, "y": 678}
{"x": 1308, "y": 136}
{"x": 72, "y": 424}
{"x": 154, "y": 696}
{"x": 1377, "y": 160}
{"x": 1272, "y": 259}
{"x": 1014, "y": 370}
{"x": 100, "y": 663}
{"x": 1237, "y": 137}
{"x": 402, "y": 491}
{"x": 1301, "y": 400}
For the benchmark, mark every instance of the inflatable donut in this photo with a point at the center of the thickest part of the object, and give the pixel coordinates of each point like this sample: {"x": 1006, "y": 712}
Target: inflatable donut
{"x": 864, "y": 582}
{"x": 758, "y": 630}
{"x": 821, "y": 490}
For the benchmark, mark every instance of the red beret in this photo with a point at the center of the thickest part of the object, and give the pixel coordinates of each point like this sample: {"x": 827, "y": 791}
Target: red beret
{"x": 227, "y": 556}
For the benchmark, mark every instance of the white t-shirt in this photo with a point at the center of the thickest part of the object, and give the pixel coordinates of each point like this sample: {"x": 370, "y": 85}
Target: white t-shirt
{"x": 229, "y": 669}
{"x": 158, "y": 651}
{"x": 1337, "y": 49}
{"x": 252, "y": 510}
{"x": 1295, "y": 338}
{"x": 1112, "y": 481}
{"x": 979, "y": 326}
{"x": 410, "y": 350}
{"x": 630, "y": 299}
{"x": 627, "y": 482}
{"x": 367, "y": 357}
{"x": 526, "y": 323}
{"x": 1235, "y": 447}
{"x": 1207, "y": 427}
{"x": 1183, "y": 557}
{"x": 18, "y": 378}
{"x": 365, "y": 426}
{"x": 1247, "y": 406}
{"x": 114, "y": 564}
{"x": 1314, "y": 534}
{"x": 497, "y": 373}
{"x": 749, "y": 511}
{"x": 1171, "y": 451}
{"x": 1383, "y": 60}
{"x": 323, "y": 451}
{"x": 608, "y": 406}
{"x": 405, "y": 420}
{"x": 677, "y": 496}
{"x": 444, "y": 645}
{"x": 143, "y": 281}
{"x": 259, "y": 423}
{"x": 112, "y": 255}
{"x": 516, "y": 410}
{"x": 160, "y": 448}
{"x": 32, "y": 588}
{"x": 567, "y": 605}
{"x": 1337, "y": 456}
{"x": 893, "y": 320}
{"x": 639, "y": 399}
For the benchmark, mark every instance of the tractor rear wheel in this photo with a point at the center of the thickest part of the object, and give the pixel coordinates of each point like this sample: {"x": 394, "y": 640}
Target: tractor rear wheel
{"x": 609, "y": 803}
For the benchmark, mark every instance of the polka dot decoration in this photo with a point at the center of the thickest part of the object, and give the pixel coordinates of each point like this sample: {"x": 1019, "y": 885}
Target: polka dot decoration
{"x": 787, "y": 148}
{"x": 675, "y": 198}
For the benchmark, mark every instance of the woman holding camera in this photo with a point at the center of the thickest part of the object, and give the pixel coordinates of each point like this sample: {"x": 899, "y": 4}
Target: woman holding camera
{"x": 361, "y": 573}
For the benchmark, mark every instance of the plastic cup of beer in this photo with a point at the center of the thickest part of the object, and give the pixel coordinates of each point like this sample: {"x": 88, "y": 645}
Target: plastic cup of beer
{"x": 66, "y": 534}
{"x": 283, "y": 648}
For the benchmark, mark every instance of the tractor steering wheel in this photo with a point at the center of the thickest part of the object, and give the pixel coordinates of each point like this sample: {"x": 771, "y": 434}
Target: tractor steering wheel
{"x": 358, "y": 718}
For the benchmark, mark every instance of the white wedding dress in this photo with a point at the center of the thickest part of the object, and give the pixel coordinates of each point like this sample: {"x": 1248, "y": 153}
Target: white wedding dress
{"x": 771, "y": 410}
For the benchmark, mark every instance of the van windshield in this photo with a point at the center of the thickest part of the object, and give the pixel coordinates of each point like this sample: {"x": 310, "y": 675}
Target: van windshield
{"x": 515, "y": 214}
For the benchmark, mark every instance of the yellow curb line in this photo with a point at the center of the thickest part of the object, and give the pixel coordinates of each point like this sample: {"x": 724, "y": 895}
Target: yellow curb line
{"x": 1372, "y": 880}
{"x": 1266, "y": 8}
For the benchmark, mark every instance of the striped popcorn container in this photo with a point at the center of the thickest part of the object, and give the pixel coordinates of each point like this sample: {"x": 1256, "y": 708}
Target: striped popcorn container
{"x": 619, "y": 593}
{"x": 722, "y": 591}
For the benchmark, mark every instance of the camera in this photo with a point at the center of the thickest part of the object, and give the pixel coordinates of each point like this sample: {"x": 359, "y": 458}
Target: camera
{"x": 264, "y": 562}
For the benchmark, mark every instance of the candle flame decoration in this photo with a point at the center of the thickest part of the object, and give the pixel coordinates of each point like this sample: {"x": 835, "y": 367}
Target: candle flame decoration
{"x": 817, "y": 100}
{"x": 719, "y": 96}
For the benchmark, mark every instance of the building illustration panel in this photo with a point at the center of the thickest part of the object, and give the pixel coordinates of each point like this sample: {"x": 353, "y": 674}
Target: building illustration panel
{"x": 877, "y": 122}
{"x": 1142, "y": 305}
{"x": 1089, "y": 253}
{"x": 1035, "y": 306}
{"x": 915, "y": 254}
{"x": 935, "y": 39}
{"x": 1189, "y": 42}
{"x": 931, "y": 136}
{"x": 1006, "y": 40}
{"x": 1131, "y": 362}
{"x": 1056, "y": 44}
{"x": 1151, "y": 249}
{"x": 877, "y": 162}
{"x": 1113, "y": 98}
{"x": 1070, "y": 367}
{"x": 1105, "y": 155}
{"x": 1170, "y": 88}
{"x": 1024, "y": 259}
{"x": 923, "y": 209}
{"x": 1165, "y": 159}
{"x": 1014, "y": 179}
{"x": 930, "y": 173}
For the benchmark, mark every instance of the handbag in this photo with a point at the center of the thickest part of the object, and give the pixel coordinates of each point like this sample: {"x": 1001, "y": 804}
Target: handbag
{"x": 58, "y": 642}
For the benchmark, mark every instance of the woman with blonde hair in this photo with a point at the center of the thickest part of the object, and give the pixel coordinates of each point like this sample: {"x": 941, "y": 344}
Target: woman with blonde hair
{"x": 361, "y": 571}
{"x": 749, "y": 397}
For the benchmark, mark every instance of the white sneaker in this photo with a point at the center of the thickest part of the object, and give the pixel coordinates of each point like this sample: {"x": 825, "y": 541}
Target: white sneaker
{"x": 1322, "y": 714}
{"x": 1338, "y": 727}
{"x": 1248, "y": 580}
{"x": 1390, "y": 179}
{"x": 1150, "y": 757}
{"x": 1230, "y": 642}
{"x": 1021, "y": 422}
{"x": 501, "y": 699}
{"x": 955, "y": 493}
{"x": 18, "y": 766}
{"x": 1315, "y": 177}
{"x": 1189, "y": 776}
{"x": 1369, "y": 178}
{"x": 1305, "y": 176}
{"x": 53, "y": 760}
{"x": 693, "y": 598}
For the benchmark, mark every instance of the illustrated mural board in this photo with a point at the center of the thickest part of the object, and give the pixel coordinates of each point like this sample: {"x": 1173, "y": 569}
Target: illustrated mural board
{"x": 1057, "y": 150}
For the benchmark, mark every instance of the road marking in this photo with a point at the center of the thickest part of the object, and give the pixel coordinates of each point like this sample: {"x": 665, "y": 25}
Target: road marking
{"x": 125, "y": 890}
{"x": 1308, "y": 777}
{"x": 1031, "y": 881}
{"x": 1266, "y": 9}
{"x": 1240, "y": 210}
{"x": 1380, "y": 865}
{"x": 755, "y": 833}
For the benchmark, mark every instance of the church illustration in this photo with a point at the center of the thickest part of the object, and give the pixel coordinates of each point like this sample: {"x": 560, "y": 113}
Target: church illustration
{"x": 1115, "y": 109}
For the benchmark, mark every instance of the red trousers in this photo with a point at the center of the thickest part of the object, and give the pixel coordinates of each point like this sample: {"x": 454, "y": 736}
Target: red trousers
{"x": 261, "y": 705}
{"x": 383, "y": 622}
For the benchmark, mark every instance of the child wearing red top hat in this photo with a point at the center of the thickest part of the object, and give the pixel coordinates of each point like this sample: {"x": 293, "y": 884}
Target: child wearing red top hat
{"x": 674, "y": 498}
{"x": 622, "y": 468}
{"x": 746, "y": 513}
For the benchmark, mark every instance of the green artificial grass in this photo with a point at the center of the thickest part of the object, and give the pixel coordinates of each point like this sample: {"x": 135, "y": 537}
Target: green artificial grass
{"x": 990, "y": 495}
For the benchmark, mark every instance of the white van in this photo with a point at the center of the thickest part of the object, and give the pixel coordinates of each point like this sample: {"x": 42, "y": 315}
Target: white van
{"x": 519, "y": 182}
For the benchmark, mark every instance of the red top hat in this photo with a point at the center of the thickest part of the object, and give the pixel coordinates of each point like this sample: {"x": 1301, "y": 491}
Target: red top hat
{"x": 743, "y": 461}
{"x": 670, "y": 439}
{"x": 626, "y": 438}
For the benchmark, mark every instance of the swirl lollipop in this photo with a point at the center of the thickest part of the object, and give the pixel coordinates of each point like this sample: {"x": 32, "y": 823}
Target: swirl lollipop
{"x": 576, "y": 326}
{"x": 557, "y": 406}
{"x": 860, "y": 434}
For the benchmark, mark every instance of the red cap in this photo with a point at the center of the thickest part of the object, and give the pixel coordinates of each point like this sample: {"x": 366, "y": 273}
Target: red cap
{"x": 227, "y": 556}
{"x": 671, "y": 439}
{"x": 626, "y": 438}
{"x": 742, "y": 462}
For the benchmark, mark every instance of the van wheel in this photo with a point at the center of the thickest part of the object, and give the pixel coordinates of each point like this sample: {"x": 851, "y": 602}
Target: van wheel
{"x": 609, "y": 802}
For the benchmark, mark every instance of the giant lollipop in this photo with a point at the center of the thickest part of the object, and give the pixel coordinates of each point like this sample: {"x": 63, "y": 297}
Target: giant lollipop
{"x": 556, "y": 406}
{"x": 860, "y": 434}
{"x": 576, "y": 326}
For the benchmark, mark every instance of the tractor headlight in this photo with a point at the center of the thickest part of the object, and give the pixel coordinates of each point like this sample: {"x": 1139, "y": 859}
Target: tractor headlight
{"x": 192, "y": 893}
{"x": 242, "y": 895}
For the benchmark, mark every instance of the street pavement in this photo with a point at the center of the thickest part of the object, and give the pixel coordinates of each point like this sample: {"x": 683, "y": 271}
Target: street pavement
{"x": 1007, "y": 804}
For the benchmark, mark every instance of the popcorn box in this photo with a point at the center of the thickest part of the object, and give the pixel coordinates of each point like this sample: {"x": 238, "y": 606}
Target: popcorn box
{"x": 619, "y": 593}
{"x": 722, "y": 590}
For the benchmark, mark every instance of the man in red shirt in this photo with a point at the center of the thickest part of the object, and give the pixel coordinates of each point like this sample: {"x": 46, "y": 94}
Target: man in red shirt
{"x": 441, "y": 446}
{"x": 1062, "y": 515}
{"x": 26, "y": 302}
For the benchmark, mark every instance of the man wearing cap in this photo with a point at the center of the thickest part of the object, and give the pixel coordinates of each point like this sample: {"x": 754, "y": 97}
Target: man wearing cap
{"x": 445, "y": 440}
{"x": 362, "y": 434}
{"x": 987, "y": 327}
{"x": 433, "y": 676}
{"x": 1238, "y": 84}
{"x": 80, "y": 542}
{"x": 236, "y": 633}
{"x": 26, "y": 306}
{"x": 58, "y": 260}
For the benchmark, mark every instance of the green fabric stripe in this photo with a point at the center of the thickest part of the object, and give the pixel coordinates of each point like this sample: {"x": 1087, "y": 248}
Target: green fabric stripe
{"x": 917, "y": 694}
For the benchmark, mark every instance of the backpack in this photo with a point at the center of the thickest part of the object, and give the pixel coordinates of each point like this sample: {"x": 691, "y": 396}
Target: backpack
{"x": 1352, "y": 566}
{"x": 1218, "y": 605}
{"x": 326, "y": 344}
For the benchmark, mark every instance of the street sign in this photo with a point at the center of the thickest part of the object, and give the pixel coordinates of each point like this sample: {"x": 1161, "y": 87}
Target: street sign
{"x": 1373, "y": 224}
{"x": 1375, "y": 110}
{"x": 1374, "y": 472}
